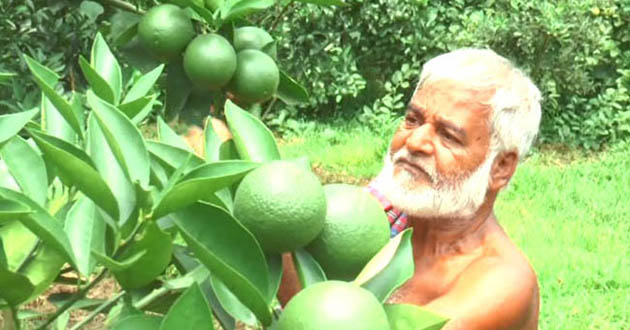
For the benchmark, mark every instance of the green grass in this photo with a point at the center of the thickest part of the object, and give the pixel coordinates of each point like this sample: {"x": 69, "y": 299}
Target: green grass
{"x": 567, "y": 211}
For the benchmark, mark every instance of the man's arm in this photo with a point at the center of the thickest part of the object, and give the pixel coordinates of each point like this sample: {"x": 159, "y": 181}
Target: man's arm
{"x": 491, "y": 295}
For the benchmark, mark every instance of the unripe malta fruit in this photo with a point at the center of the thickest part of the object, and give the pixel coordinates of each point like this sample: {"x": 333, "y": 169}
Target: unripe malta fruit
{"x": 252, "y": 37}
{"x": 282, "y": 204}
{"x": 210, "y": 61}
{"x": 165, "y": 30}
{"x": 356, "y": 228}
{"x": 256, "y": 78}
{"x": 333, "y": 305}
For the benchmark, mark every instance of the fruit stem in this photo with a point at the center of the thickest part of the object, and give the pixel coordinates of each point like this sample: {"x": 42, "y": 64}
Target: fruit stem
{"x": 124, "y": 6}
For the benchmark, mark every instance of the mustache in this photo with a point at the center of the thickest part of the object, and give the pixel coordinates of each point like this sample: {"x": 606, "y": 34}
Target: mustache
{"x": 404, "y": 156}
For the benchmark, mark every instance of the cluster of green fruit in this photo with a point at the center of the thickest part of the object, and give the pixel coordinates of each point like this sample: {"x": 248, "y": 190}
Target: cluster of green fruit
{"x": 246, "y": 68}
{"x": 286, "y": 208}
{"x": 342, "y": 226}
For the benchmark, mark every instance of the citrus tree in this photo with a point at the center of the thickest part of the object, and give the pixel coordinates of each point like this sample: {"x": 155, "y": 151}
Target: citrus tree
{"x": 190, "y": 239}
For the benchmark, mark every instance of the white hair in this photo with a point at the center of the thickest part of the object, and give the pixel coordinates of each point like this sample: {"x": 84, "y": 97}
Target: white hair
{"x": 516, "y": 113}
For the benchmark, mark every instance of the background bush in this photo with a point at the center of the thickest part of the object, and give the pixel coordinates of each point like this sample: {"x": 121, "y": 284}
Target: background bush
{"x": 361, "y": 62}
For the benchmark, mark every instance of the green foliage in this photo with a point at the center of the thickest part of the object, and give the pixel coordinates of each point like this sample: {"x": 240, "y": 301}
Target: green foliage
{"x": 363, "y": 60}
{"x": 53, "y": 32}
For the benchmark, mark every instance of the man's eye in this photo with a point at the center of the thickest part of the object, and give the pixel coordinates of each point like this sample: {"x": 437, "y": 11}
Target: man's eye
{"x": 449, "y": 137}
{"x": 411, "y": 120}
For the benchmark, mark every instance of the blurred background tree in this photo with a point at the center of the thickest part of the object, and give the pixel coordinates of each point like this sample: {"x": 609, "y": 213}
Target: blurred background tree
{"x": 361, "y": 62}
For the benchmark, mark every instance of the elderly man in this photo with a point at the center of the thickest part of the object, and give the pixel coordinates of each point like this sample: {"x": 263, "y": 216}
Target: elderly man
{"x": 471, "y": 119}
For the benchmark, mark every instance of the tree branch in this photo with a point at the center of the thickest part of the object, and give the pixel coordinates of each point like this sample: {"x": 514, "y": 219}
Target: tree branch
{"x": 77, "y": 296}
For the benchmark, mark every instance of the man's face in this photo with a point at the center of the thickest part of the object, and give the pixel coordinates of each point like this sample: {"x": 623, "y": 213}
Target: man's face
{"x": 438, "y": 164}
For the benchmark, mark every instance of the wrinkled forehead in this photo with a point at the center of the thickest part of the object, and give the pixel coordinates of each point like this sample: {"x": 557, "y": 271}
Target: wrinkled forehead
{"x": 452, "y": 98}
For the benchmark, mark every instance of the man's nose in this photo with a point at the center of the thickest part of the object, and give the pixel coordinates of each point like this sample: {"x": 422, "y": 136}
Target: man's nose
{"x": 421, "y": 140}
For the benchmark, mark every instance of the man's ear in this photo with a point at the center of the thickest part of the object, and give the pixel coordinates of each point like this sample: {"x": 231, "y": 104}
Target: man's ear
{"x": 503, "y": 168}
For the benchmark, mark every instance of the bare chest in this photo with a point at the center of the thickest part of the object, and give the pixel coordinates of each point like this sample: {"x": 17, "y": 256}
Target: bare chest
{"x": 431, "y": 280}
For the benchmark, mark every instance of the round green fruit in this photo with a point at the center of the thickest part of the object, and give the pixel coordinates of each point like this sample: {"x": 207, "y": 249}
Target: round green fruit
{"x": 282, "y": 204}
{"x": 333, "y": 305}
{"x": 252, "y": 37}
{"x": 210, "y": 61}
{"x": 213, "y": 4}
{"x": 256, "y": 78}
{"x": 165, "y": 30}
{"x": 356, "y": 229}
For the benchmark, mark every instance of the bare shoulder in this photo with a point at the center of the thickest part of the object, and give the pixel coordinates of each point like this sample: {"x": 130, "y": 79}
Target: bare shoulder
{"x": 497, "y": 291}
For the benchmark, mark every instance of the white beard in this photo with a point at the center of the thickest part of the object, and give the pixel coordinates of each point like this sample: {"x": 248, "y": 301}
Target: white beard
{"x": 458, "y": 197}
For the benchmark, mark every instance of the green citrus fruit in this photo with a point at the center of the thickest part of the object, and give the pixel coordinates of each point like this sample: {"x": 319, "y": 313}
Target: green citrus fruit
{"x": 165, "y": 30}
{"x": 333, "y": 305}
{"x": 282, "y": 204}
{"x": 252, "y": 37}
{"x": 213, "y": 4}
{"x": 356, "y": 229}
{"x": 256, "y": 78}
{"x": 210, "y": 61}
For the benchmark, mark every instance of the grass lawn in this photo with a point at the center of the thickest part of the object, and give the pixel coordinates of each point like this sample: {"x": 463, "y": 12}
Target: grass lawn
{"x": 568, "y": 212}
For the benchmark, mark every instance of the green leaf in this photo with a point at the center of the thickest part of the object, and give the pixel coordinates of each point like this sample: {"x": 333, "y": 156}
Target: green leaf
{"x": 186, "y": 263}
{"x": 111, "y": 171}
{"x": 27, "y": 167}
{"x": 234, "y": 9}
{"x": 42, "y": 224}
{"x": 308, "y": 270}
{"x": 6, "y": 76}
{"x": 124, "y": 139}
{"x": 231, "y": 304}
{"x": 98, "y": 84}
{"x": 104, "y": 62}
{"x": 12, "y": 124}
{"x": 197, "y": 275}
{"x": 190, "y": 311}
{"x": 204, "y": 13}
{"x": 212, "y": 142}
{"x": 116, "y": 265}
{"x": 43, "y": 269}
{"x": 138, "y": 322}
{"x": 86, "y": 230}
{"x": 91, "y": 9}
{"x": 138, "y": 109}
{"x": 274, "y": 263}
{"x": 324, "y": 2}
{"x": 143, "y": 85}
{"x": 412, "y": 317}
{"x": 4, "y": 264}
{"x": 6, "y": 179}
{"x": 16, "y": 288}
{"x": 178, "y": 87}
{"x": 18, "y": 243}
{"x": 168, "y": 136}
{"x": 201, "y": 183}
{"x": 227, "y": 151}
{"x": 158, "y": 247}
{"x": 290, "y": 91}
{"x": 210, "y": 233}
{"x": 254, "y": 141}
{"x": 390, "y": 268}
{"x": 77, "y": 166}
{"x": 173, "y": 157}
{"x": 11, "y": 210}
{"x": 53, "y": 122}
{"x": 44, "y": 78}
